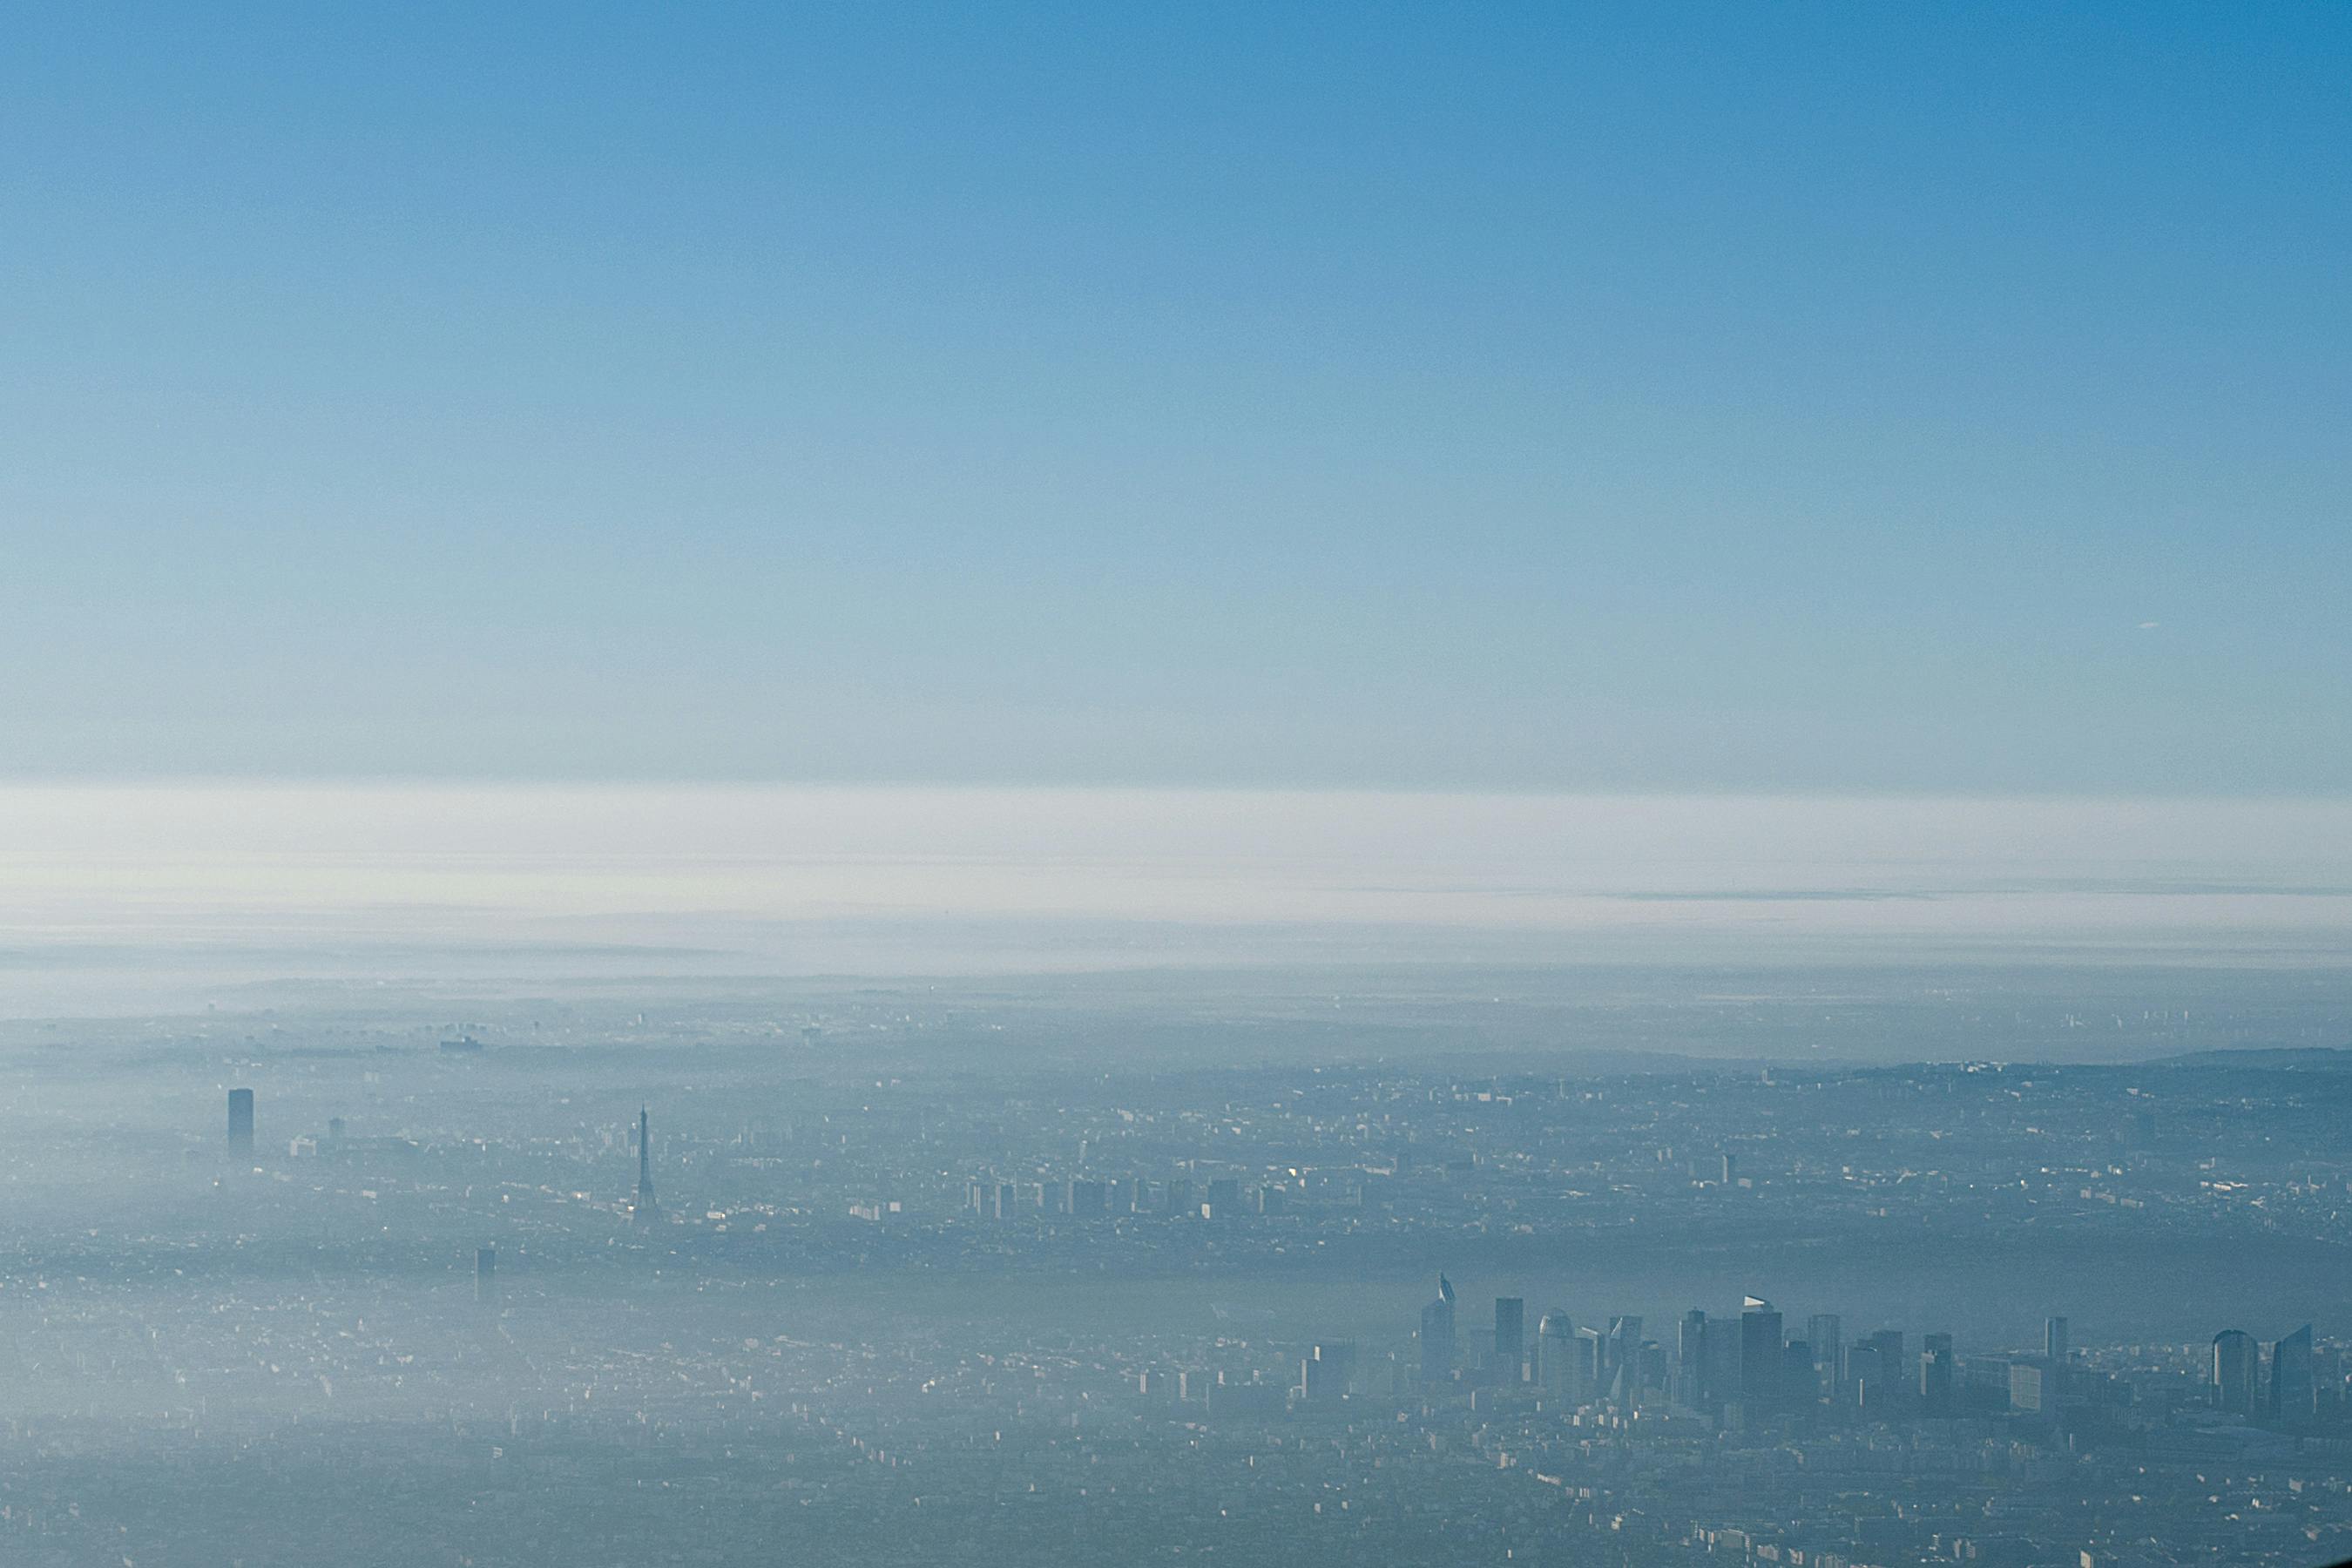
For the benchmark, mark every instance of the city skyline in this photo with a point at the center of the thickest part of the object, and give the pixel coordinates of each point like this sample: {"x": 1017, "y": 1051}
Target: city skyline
{"x": 2007, "y": 1315}
{"x": 1046, "y": 785}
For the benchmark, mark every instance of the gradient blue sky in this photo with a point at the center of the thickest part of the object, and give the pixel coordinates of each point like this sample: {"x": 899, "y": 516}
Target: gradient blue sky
{"x": 1743, "y": 397}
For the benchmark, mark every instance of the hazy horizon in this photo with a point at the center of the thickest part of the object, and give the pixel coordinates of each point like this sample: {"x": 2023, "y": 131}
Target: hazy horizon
{"x": 181, "y": 895}
{"x": 1449, "y": 786}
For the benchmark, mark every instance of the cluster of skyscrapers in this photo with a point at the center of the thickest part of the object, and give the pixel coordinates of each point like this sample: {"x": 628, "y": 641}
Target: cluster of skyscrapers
{"x": 1747, "y": 1366}
{"x": 2280, "y": 1390}
{"x": 1748, "y": 1363}
{"x": 1083, "y": 1197}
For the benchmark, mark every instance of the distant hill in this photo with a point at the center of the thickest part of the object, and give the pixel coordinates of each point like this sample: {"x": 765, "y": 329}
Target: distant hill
{"x": 2298, "y": 1059}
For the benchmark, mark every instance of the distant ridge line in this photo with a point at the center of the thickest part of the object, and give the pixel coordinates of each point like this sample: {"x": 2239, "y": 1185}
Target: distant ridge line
{"x": 2320, "y": 1058}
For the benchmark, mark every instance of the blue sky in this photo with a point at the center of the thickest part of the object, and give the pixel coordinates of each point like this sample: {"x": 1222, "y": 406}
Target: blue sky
{"x": 1691, "y": 398}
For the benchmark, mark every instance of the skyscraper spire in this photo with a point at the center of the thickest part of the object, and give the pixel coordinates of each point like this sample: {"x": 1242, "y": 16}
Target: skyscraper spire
{"x": 644, "y": 1209}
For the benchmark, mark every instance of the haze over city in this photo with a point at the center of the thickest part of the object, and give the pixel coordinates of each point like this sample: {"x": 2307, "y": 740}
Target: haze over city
{"x": 1066, "y": 784}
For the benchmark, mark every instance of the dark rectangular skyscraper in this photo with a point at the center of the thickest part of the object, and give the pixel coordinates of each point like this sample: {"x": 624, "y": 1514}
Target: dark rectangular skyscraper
{"x": 1938, "y": 1387}
{"x": 1826, "y": 1333}
{"x": 1693, "y": 1385}
{"x": 1876, "y": 1365}
{"x": 1760, "y": 1355}
{"x": 1510, "y": 1337}
{"x": 1324, "y": 1375}
{"x": 240, "y": 1120}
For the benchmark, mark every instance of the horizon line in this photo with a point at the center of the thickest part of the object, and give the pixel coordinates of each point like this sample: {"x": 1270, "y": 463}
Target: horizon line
{"x": 453, "y": 783}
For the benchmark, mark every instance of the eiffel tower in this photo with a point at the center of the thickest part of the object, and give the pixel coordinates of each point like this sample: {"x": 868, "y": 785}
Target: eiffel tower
{"x": 643, "y": 1210}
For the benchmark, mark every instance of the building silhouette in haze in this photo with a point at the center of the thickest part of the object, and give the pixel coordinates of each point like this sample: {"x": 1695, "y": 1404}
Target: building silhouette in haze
{"x": 1620, "y": 1359}
{"x": 1327, "y": 1372}
{"x": 240, "y": 1120}
{"x": 1510, "y": 1337}
{"x": 1694, "y": 1384}
{"x": 1555, "y": 1356}
{"x": 2237, "y": 1368}
{"x": 1825, "y": 1332}
{"x": 1875, "y": 1369}
{"x": 1939, "y": 1391}
{"x": 1437, "y": 1334}
{"x": 1761, "y": 1356}
{"x": 2292, "y": 1394}
{"x": 643, "y": 1210}
{"x": 2056, "y": 1347}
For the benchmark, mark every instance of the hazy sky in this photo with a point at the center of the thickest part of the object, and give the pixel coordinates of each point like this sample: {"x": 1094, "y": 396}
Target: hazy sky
{"x": 1742, "y": 397}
